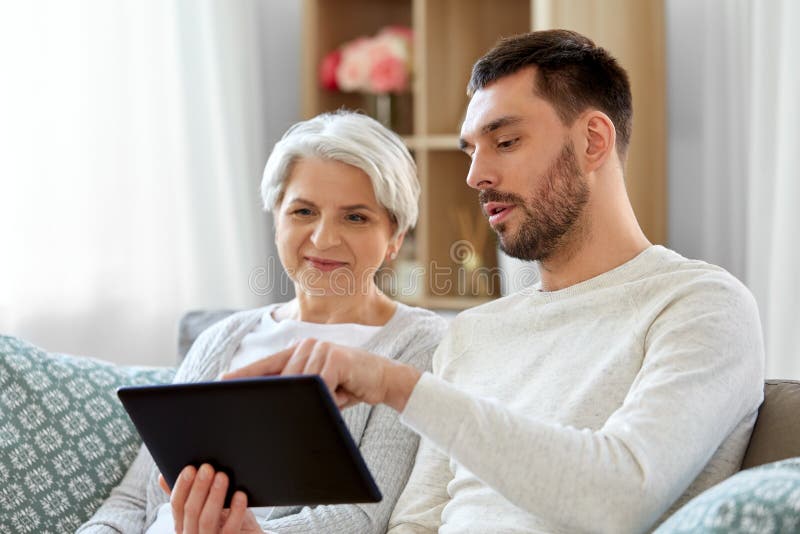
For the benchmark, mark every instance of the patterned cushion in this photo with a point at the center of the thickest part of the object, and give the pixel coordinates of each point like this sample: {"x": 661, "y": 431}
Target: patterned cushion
{"x": 761, "y": 500}
{"x": 65, "y": 440}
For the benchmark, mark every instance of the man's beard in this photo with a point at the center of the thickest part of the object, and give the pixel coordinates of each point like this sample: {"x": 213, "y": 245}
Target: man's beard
{"x": 552, "y": 211}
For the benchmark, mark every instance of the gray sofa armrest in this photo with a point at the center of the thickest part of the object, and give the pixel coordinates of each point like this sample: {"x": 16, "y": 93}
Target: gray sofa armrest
{"x": 192, "y": 324}
{"x": 776, "y": 434}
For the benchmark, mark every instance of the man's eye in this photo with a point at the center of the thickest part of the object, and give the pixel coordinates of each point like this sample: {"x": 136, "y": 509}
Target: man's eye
{"x": 507, "y": 144}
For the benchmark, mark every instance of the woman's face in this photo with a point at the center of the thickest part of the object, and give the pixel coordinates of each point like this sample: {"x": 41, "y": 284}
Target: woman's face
{"x": 332, "y": 234}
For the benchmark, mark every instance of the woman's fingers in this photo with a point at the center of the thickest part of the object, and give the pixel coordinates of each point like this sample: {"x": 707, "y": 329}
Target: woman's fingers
{"x": 197, "y": 499}
{"x": 211, "y": 513}
{"x": 197, "y": 504}
{"x": 183, "y": 486}
{"x": 238, "y": 513}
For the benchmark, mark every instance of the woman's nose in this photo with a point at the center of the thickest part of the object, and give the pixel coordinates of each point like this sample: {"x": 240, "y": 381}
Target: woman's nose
{"x": 325, "y": 235}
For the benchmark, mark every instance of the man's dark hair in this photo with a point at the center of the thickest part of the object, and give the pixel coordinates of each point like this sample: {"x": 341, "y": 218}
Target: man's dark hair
{"x": 573, "y": 74}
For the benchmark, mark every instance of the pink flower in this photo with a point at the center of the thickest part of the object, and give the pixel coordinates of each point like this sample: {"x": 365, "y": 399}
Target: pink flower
{"x": 327, "y": 70}
{"x": 353, "y": 71}
{"x": 388, "y": 74}
{"x": 380, "y": 64}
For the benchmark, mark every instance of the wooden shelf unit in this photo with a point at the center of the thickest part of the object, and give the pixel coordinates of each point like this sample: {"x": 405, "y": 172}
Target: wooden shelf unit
{"x": 449, "y": 36}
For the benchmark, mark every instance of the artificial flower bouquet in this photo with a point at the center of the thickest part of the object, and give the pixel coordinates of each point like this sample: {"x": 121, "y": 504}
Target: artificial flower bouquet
{"x": 375, "y": 65}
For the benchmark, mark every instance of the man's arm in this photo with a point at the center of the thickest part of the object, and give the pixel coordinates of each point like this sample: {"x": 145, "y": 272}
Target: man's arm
{"x": 352, "y": 375}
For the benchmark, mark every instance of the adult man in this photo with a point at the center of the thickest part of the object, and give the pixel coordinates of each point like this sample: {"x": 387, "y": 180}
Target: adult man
{"x": 594, "y": 400}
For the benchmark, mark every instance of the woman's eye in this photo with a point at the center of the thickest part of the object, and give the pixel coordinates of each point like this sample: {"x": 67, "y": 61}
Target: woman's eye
{"x": 356, "y": 217}
{"x": 302, "y": 212}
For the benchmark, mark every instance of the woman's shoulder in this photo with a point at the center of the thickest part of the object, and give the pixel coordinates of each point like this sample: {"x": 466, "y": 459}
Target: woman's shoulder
{"x": 416, "y": 317}
{"x": 411, "y": 330}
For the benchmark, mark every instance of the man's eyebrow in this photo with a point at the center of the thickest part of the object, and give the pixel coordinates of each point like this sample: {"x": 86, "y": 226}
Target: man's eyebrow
{"x": 490, "y": 127}
{"x": 500, "y": 123}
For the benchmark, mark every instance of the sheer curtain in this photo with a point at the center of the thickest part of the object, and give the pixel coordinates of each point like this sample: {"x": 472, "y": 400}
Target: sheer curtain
{"x": 733, "y": 157}
{"x": 133, "y": 138}
{"x": 773, "y": 230}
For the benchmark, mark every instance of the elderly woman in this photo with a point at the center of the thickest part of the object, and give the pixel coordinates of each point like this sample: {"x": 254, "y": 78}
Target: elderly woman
{"x": 343, "y": 191}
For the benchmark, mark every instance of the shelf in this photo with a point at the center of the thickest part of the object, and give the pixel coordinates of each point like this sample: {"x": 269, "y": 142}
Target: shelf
{"x": 460, "y": 32}
{"x": 432, "y": 142}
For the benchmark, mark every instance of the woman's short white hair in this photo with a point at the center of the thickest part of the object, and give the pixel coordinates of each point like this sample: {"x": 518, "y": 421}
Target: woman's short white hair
{"x": 357, "y": 140}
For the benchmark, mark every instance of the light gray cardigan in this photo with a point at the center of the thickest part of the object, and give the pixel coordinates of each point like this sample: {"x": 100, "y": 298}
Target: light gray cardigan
{"x": 388, "y": 447}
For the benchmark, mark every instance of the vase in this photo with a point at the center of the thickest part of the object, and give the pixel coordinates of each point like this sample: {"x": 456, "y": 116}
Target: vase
{"x": 381, "y": 107}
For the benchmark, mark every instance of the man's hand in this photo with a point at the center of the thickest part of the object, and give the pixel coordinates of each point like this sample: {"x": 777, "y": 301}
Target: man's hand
{"x": 197, "y": 504}
{"x": 352, "y": 375}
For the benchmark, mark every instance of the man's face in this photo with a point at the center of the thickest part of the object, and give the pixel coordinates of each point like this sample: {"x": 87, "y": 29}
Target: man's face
{"x": 524, "y": 165}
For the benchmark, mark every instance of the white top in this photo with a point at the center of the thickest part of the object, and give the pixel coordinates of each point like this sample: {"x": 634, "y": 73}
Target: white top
{"x": 589, "y": 409}
{"x": 269, "y": 337}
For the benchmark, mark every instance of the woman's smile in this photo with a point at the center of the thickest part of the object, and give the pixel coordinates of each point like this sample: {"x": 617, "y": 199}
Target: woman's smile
{"x": 323, "y": 264}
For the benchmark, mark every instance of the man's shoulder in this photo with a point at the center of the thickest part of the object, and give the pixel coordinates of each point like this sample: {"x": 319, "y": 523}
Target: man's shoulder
{"x": 685, "y": 289}
{"x": 677, "y": 273}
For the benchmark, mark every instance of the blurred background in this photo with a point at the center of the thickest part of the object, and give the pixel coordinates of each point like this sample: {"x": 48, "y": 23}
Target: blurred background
{"x": 133, "y": 135}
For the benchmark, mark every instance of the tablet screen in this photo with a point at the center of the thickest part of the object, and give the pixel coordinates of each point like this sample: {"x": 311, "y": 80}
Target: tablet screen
{"x": 281, "y": 439}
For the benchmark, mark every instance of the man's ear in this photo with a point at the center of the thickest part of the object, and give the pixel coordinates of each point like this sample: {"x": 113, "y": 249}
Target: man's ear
{"x": 599, "y": 140}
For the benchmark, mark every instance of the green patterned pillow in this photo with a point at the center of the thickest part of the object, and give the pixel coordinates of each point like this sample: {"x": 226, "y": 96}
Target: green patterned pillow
{"x": 65, "y": 440}
{"x": 761, "y": 500}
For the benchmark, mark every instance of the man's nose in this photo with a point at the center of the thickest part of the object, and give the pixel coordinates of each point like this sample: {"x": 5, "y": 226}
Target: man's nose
{"x": 325, "y": 235}
{"x": 480, "y": 175}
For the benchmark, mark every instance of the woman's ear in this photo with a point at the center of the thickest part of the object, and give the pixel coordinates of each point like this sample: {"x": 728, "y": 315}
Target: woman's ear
{"x": 600, "y": 138}
{"x": 394, "y": 246}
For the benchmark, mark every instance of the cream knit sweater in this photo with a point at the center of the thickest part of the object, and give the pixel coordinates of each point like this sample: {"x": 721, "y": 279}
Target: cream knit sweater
{"x": 590, "y": 409}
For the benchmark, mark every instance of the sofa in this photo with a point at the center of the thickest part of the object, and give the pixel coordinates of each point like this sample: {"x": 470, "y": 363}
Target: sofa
{"x": 65, "y": 442}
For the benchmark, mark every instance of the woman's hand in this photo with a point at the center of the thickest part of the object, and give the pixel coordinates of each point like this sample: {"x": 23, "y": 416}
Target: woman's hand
{"x": 352, "y": 375}
{"x": 197, "y": 504}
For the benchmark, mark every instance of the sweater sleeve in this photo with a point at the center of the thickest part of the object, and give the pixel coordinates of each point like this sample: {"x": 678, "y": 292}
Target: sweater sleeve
{"x": 388, "y": 448}
{"x": 124, "y": 511}
{"x": 419, "y": 508}
{"x": 702, "y": 377}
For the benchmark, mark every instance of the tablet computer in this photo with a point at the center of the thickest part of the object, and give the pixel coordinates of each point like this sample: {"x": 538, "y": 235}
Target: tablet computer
{"x": 281, "y": 439}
